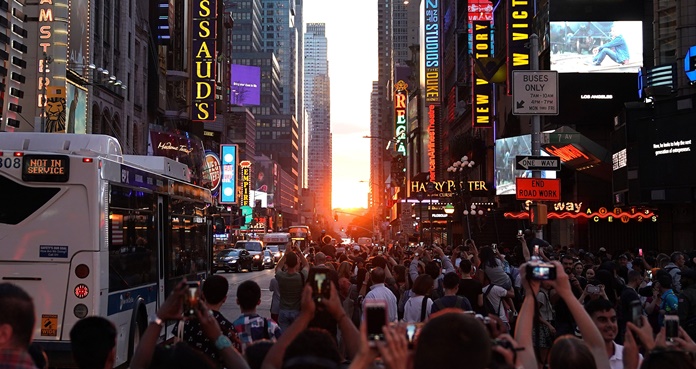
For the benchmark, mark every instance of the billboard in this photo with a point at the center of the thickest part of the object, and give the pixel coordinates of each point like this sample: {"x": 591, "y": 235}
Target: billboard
{"x": 228, "y": 176}
{"x": 76, "y": 113}
{"x": 430, "y": 51}
{"x": 506, "y": 149}
{"x": 78, "y": 37}
{"x": 519, "y": 27}
{"x": 400, "y": 112}
{"x": 245, "y": 82}
{"x": 596, "y": 47}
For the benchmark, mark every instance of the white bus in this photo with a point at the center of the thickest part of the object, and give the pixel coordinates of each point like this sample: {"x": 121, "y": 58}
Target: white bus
{"x": 88, "y": 231}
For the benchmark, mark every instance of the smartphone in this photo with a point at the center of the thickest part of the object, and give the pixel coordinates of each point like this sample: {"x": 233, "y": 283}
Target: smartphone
{"x": 519, "y": 233}
{"x": 376, "y": 318}
{"x": 671, "y": 327}
{"x": 191, "y": 300}
{"x": 541, "y": 272}
{"x": 640, "y": 252}
{"x": 321, "y": 286}
{"x": 536, "y": 249}
{"x": 637, "y": 313}
{"x": 593, "y": 289}
{"x": 411, "y": 335}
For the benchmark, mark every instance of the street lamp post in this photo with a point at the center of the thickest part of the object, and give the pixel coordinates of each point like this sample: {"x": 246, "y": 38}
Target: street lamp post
{"x": 461, "y": 169}
{"x": 420, "y": 196}
{"x": 430, "y": 188}
{"x": 449, "y": 210}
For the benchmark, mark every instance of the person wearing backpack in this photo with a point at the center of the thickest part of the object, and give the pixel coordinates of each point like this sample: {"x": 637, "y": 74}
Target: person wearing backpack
{"x": 451, "y": 299}
{"x": 250, "y": 326}
{"x": 419, "y": 305}
{"x": 493, "y": 297}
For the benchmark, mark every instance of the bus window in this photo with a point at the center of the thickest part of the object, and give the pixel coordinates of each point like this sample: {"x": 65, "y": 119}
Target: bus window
{"x": 17, "y": 202}
{"x": 132, "y": 239}
{"x": 189, "y": 238}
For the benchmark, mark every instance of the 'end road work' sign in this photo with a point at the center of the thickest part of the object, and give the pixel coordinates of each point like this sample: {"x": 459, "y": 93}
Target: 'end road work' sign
{"x": 538, "y": 189}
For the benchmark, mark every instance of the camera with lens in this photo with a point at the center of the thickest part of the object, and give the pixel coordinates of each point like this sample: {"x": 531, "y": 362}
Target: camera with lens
{"x": 541, "y": 271}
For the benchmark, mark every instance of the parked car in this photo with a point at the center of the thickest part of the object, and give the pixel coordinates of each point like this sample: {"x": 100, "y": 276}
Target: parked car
{"x": 268, "y": 261}
{"x": 255, "y": 248}
{"x": 232, "y": 260}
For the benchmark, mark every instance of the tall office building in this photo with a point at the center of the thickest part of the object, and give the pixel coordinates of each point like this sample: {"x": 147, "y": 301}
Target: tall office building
{"x": 318, "y": 105}
{"x": 14, "y": 72}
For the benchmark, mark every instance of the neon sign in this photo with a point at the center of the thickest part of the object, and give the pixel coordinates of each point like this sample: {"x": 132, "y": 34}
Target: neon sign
{"x": 400, "y": 109}
{"x": 246, "y": 182}
{"x": 228, "y": 180}
{"x": 566, "y": 153}
{"x": 617, "y": 214}
{"x": 432, "y": 51}
{"x": 203, "y": 64}
{"x": 433, "y": 112}
{"x": 519, "y": 20}
{"x": 482, "y": 89}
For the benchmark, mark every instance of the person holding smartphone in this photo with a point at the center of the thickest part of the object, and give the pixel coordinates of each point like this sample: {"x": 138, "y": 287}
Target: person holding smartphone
{"x": 291, "y": 273}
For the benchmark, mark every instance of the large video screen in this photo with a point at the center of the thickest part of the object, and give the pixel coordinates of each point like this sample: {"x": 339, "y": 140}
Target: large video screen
{"x": 666, "y": 151}
{"x": 596, "y": 47}
{"x": 506, "y": 149}
{"x": 245, "y": 85}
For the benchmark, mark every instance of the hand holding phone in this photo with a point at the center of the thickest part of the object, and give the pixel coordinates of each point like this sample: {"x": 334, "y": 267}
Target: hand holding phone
{"x": 592, "y": 289}
{"x": 321, "y": 286}
{"x": 376, "y": 318}
{"x": 671, "y": 327}
{"x": 637, "y": 313}
{"x": 191, "y": 298}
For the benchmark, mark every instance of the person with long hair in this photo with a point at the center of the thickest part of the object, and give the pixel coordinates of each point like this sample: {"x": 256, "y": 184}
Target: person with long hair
{"x": 492, "y": 266}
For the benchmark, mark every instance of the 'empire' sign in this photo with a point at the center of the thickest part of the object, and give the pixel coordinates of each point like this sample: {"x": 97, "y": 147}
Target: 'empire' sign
{"x": 203, "y": 63}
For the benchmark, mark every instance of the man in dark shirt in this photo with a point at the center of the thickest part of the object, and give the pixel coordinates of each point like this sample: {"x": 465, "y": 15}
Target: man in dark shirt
{"x": 469, "y": 287}
{"x": 628, "y": 296}
{"x": 530, "y": 238}
{"x": 450, "y": 284}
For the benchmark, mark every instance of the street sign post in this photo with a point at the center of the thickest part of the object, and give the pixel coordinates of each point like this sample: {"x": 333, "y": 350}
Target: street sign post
{"x": 530, "y": 162}
{"x": 538, "y": 189}
{"x": 534, "y": 92}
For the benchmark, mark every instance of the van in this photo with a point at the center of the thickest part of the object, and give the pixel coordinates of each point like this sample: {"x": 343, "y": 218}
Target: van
{"x": 277, "y": 243}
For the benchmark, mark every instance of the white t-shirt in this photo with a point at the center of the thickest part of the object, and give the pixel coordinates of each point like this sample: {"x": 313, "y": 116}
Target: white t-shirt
{"x": 495, "y": 297}
{"x": 412, "y": 310}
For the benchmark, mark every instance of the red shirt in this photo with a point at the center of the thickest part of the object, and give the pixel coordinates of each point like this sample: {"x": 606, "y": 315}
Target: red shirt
{"x": 14, "y": 359}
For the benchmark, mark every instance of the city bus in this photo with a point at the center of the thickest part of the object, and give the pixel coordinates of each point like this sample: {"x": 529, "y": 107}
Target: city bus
{"x": 301, "y": 234}
{"x": 86, "y": 230}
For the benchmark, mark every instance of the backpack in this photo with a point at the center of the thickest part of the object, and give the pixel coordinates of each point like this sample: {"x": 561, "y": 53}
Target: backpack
{"x": 458, "y": 304}
{"x": 354, "y": 296}
{"x": 437, "y": 292}
{"x": 488, "y": 305}
{"x": 424, "y": 308}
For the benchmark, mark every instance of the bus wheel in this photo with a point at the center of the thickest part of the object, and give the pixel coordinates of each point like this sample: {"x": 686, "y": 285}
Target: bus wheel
{"x": 137, "y": 329}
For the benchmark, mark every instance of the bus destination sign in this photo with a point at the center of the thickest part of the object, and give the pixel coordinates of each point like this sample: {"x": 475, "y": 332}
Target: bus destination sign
{"x": 45, "y": 168}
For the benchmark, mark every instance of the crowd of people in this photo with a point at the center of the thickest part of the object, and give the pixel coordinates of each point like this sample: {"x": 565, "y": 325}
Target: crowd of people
{"x": 531, "y": 305}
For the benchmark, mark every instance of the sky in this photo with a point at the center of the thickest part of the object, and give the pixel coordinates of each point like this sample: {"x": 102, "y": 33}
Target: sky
{"x": 351, "y": 33}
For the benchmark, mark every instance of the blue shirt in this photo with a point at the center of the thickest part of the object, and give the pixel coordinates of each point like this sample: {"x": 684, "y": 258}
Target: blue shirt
{"x": 620, "y": 48}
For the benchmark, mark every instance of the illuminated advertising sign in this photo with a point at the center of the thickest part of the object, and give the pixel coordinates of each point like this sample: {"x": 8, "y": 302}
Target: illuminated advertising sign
{"x": 78, "y": 39}
{"x": 479, "y": 10}
{"x": 203, "y": 63}
{"x": 519, "y": 28}
{"x": 246, "y": 183}
{"x": 212, "y": 163}
{"x": 482, "y": 104}
{"x": 228, "y": 174}
{"x": 432, "y": 51}
{"x": 245, "y": 85}
{"x": 433, "y": 115}
{"x": 400, "y": 111}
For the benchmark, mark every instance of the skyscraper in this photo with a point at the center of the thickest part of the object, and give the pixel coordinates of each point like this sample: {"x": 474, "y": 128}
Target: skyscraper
{"x": 318, "y": 106}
